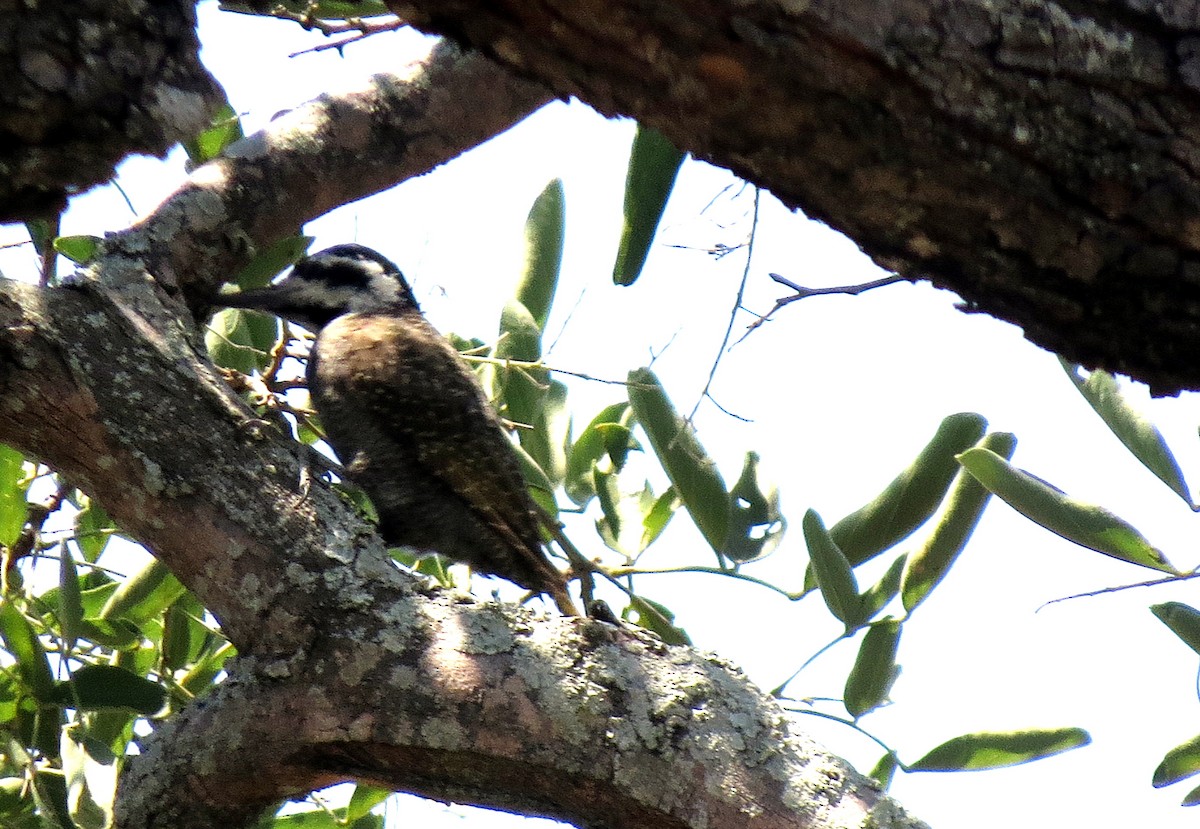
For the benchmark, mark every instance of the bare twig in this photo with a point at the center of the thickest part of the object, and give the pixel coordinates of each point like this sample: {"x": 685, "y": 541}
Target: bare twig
{"x": 802, "y": 292}
{"x": 1123, "y": 587}
{"x": 737, "y": 306}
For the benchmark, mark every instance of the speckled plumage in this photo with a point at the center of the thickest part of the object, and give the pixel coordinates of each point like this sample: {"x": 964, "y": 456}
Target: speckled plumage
{"x": 408, "y": 419}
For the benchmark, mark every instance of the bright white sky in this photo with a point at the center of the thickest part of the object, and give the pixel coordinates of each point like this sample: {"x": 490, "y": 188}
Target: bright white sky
{"x": 839, "y": 393}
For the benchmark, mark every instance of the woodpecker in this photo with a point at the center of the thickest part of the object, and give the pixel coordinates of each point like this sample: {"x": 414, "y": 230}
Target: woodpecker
{"x": 408, "y": 419}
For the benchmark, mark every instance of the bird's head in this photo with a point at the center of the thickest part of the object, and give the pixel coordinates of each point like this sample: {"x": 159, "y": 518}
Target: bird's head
{"x": 344, "y": 279}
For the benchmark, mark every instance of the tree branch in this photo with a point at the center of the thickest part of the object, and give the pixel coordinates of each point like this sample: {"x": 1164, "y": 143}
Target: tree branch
{"x": 1040, "y": 159}
{"x": 329, "y": 152}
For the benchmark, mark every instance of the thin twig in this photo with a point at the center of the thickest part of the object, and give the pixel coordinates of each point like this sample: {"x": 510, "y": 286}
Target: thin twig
{"x": 737, "y": 306}
{"x": 801, "y": 292}
{"x": 1122, "y": 587}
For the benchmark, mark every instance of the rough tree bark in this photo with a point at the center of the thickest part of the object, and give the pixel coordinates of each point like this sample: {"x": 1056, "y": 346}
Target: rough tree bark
{"x": 1038, "y": 157}
{"x": 86, "y": 83}
{"x": 346, "y": 669}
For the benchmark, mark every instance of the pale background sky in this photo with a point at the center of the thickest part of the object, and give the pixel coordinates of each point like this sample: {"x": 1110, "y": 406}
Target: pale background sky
{"x": 840, "y": 394}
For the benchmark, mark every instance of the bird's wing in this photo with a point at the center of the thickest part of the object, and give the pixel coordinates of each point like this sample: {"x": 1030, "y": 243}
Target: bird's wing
{"x": 455, "y": 435}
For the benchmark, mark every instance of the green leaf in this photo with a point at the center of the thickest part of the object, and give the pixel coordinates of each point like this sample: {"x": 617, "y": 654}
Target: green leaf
{"x": 1102, "y": 392}
{"x": 930, "y": 563}
{"x": 1192, "y": 798}
{"x": 90, "y": 769}
{"x": 1179, "y": 763}
{"x": 1085, "y": 524}
{"x": 756, "y": 524}
{"x": 70, "y": 601}
{"x": 364, "y": 799}
{"x": 884, "y": 770}
{"x": 241, "y": 340}
{"x": 108, "y": 686}
{"x": 270, "y": 261}
{"x": 50, "y": 795}
{"x": 143, "y": 595}
{"x": 544, "y": 230}
{"x": 654, "y": 163}
{"x": 42, "y": 233}
{"x": 547, "y": 441}
{"x": 876, "y": 597}
{"x": 522, "y": 391}
{"x": 600, "y": 438}
{"x": 22, "y": 644}
{"x": 996, "y": 750}
{"x": 119, "y": 635}
{"x": 691, "y": 471}
{"x": 1183, "y": 620}
{"x": 13, "y": 486}
{"x": 656, "y": 520}
{"x": 834, "y": 575}
{"x": 322, "y": 10}
{"x": 909, "y": 500}
{"x": 201, "y": 675}
{"x": 874, "y": 670}
{"x": 224, "y": 129}
{"x": 655, "y": 617}
{"x": 92, "y": 529}
{"x": 628, "y": 520}
{"x": 79, "y": 249}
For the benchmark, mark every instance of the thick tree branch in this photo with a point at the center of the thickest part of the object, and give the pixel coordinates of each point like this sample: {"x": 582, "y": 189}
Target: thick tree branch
{"x": 1039, "y": 158}
{"x": 85, "y": 85}
{"x": 332, "y": 151}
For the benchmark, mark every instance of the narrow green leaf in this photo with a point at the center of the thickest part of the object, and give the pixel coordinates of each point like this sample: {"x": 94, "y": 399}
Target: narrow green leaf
{"x": 1085, "y": 524}
{"x": 90, "y": 769}
{"x": 50, "y": 795}
{"x": 70, "y": 600}
{"x": 995, "y": 750}
{"x": 201, "y": 675}
{"x": 654, "y": 163}
{"x": 1192, "y": 798}
{"x": 659, "y": 515}
{"x": 874, "y": 670}
{"x": 143, "y": 595}
{"x": 119, "y": 635}
{"x": 692, "y": 472}
{"x": 108, "y": 686}
{"x": 930, "y": 563}
{"x": 364, "y": 799}
{"x": 13, "y": 486}
{"x": 22, "y": 644}
{"x": 876, "y": 597}
{"x": 544, "y": 230}
{"x": 522, "y": 391}
{"x": 756, "y": 523}
{"x": 79, "y": 249}
{"x": 655, "y": 617}
{"x": 1183, "y": 620}
{"x": 1179, "y": 763}
{"x": 593, "y": 444}
{"x": 270, "y": 261}
{"x": 1141, "y": 437}
{"x": 909, "y": 500}
{"x": 42, "y": 233}
{"x": 224, "y": 129}
{"x": 92, "y": 526}
{"x": 884, "y": 770}
{"x": 835, "y": 576}
{"x": 547, "y": 441}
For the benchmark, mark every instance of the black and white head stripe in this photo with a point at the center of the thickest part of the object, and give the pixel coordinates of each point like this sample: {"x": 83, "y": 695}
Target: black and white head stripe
{"x": 345, "y": 279}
